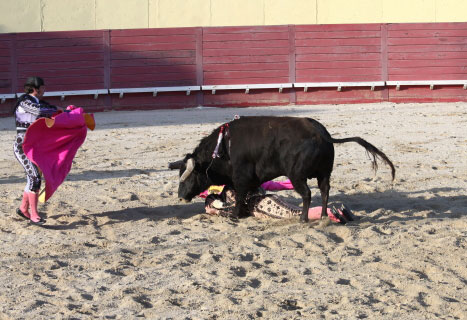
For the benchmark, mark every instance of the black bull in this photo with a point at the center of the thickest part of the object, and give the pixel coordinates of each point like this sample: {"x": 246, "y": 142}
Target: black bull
{"x": 258, "y": 149}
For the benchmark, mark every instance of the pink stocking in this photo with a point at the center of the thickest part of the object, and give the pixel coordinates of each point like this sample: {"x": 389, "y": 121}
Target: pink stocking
{"x": 33, "y": 198}
{"x": 315, "y": 214}
{"x": 24, "y": 207}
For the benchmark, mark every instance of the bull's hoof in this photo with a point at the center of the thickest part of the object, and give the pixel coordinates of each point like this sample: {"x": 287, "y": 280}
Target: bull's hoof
{"x": 304, "y": 219}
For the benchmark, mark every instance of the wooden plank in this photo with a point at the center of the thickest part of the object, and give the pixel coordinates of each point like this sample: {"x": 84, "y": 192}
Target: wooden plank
{"x": 428, "y": 70}
{"x": 151, "y": 32}
{"x": 68, "y": 83}
{"x": 245, "y": 52}
{"x": 14, "y": 65}
{"x": 427, "y": 33}
{"x": 5, "y": 60}
{"x": 384, "y": 58}
{"x": 5, "y": 44}
{"x": 5, "y": 52}
{"x": 427, "y": 26}
{"x": 415, "y": 76}
{"x": 259, "y": 80}
{"x": 424, "y": 94}
{"x": 154, "y": 69}
{"x": 61, "y": 58}
{"x": 292, "y": 62}
{"x": 338, "y": 72}
{"x": 339, "y": 27}
{"x": 248, "y": 29}
{"x": 240, "y": 99}
{"x": 427, "y": 55}
{"x": 340, "y": 34}
{"x": 59, "y": 51}
{"x": 246, "y": 66}
{"x": 339, "y": 50}
{"x": 199, "y": 65}
{"x": 245, "y": 59}
{"x": 156, "y": 77}
{"x": 428, "y": 41}
{"x": 337, "y": 78}
{"x": 106, "y": 63}
{"x": 38, "y": 67}
{"x": 53, "y": 43}
{"x": 245, "y": 44}
{"x": 58, "y": 35}
{"x": 245, "y": 75}
{"x": 154, "y": 47}
{"x": 339, "y": 64}
{"x": 63, "y": 73}
{"x": 427, "y": 48}
{"x": 142, "y": 83}
{"x": 257, "y": 36}
{"x": 5, "y": 68}
{"x": 338, "y": 42}
{"x": 428, "y": 63}
{"x": 153, "y": 39}
{"x": 153, "y": 62}
{"x": 163, "y": 100}
{"x": 116, "y": 55}
{"x": 347, "y": 95}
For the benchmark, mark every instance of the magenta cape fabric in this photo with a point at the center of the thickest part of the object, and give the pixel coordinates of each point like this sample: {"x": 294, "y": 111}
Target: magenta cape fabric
{"x": 53, "y": 149}
{"x": 268, "y": 186}
{"x": 277, "y": 185}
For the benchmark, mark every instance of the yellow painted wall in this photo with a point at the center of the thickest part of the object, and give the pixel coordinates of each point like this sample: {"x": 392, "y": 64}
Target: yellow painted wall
{"x": 62, "y": 15}
{"x": 16, "y": 16}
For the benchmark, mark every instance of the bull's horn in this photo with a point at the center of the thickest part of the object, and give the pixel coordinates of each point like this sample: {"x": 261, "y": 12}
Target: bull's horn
{"x": 190, "y": 165}
{"x": 175, "y": 165}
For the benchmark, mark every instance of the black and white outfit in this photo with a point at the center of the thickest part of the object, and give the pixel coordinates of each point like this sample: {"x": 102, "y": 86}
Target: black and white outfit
{"x": 28, "y": 109}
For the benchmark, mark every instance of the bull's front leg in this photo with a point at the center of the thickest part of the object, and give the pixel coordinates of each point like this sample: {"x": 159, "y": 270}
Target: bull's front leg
{"x": 241, "y": 208}
{"x": 244, "y": 180}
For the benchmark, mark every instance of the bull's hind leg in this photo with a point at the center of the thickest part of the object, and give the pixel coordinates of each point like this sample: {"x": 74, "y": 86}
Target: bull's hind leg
{"x": 324, "y": 186}
{"x": 301, "y": 187}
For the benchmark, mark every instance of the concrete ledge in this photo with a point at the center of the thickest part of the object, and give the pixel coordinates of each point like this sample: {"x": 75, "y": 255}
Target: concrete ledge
{"x": 247, "y": 87}
{"x": 155, "y": 90}
{"x": 338, "y": 85}
{"x": 430, "y": 83}
{"x": 4, "y": 97}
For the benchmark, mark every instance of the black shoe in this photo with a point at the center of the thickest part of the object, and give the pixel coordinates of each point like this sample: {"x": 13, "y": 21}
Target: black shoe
{"x": 39, "y": 223}
{"x": 347, "y": 213}
{"x": 21, "y": 214}
{"x": 337, "y": 214}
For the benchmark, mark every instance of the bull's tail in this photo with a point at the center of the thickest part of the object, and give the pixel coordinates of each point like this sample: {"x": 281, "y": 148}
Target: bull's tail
{"x": 371, "y": 149}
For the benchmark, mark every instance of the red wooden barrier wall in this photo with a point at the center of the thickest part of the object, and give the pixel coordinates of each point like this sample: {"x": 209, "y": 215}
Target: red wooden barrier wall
{"x": 245, "y": 55}
{"x": 427, "y": 51}
{"x": 153, "y": 58}
{"x": 104, "y": 59}
{"x": 7, "y": 63}
{"x": 338, "y": 53}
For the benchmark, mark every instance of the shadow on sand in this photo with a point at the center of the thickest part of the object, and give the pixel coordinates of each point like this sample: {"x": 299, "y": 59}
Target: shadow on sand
{"x": 405, "y": 204}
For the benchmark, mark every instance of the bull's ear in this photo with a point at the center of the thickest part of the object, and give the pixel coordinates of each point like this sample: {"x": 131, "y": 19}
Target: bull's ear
{"x": 175, "y": 165}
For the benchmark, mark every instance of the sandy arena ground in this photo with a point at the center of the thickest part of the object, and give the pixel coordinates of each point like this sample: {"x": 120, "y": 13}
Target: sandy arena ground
{"x": 118, "y": 244}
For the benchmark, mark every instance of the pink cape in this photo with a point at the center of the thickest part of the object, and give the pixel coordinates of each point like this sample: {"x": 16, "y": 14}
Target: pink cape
{"x": 277, "y": 185}
{"x": 51, "y": 144}
{"x": 268, "y": 186}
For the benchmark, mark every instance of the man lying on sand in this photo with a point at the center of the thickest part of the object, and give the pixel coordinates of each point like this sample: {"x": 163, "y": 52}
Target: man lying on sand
{"x": 221, "y": 201}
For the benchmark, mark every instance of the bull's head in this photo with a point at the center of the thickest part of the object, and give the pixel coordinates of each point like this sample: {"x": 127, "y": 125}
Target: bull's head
{"x": 193, "y": 180}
